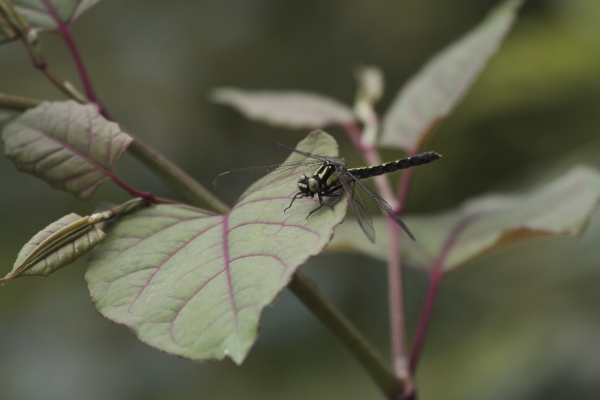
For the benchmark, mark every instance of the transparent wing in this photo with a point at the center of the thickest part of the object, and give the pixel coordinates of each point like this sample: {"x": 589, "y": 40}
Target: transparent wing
{"x": 357, "y": 202}
{"x": 381, "y": 203}
{"x": 336, "y": 160}
{"x": 260, "y": 178}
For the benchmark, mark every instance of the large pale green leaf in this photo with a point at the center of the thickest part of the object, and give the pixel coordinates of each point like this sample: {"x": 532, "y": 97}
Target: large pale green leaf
{"x": 193, "y": 283}
{"x": 292, "y": 109}
{"x": 57, "y": 245}
{"x": 69, "y": 145}
{"x": 438, "y": 87}
{"x": 561, "y": 207}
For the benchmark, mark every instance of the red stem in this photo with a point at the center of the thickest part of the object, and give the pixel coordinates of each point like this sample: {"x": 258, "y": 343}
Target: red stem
{"x": 395, "y": 281}
{"x": 65, "y": 32}
{"x": 396, "y": 301}
{"x": 435, "y": 279}
{"x": 148, "y": 196}
{"x": 353, "y": 131}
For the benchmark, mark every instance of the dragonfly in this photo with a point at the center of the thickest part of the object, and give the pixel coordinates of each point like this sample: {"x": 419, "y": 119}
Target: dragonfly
{"x": 325, "y": 176}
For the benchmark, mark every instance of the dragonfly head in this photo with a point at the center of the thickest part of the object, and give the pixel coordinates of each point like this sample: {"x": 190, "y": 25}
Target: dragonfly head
{"x": 308, "y": 186}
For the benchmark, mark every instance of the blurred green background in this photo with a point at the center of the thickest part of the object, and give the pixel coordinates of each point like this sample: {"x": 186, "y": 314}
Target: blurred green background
{"x": 523, "y": 323}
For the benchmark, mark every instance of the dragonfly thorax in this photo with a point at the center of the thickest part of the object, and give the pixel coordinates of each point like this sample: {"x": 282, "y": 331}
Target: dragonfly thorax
{"x": 321, "y": 181}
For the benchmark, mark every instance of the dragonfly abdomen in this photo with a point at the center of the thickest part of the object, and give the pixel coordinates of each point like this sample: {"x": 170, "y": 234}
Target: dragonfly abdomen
{"x": 393, "y": 166}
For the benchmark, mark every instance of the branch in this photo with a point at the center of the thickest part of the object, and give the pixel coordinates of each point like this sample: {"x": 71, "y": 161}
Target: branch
{"x": 16, "y": 103}
{"x": 178, "y": 179}
{"x": 395, "y": 281}
{"x": 65, "y": 31}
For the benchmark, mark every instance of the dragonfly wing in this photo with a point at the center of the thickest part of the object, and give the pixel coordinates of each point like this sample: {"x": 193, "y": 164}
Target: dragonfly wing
{"x": 383, "y": 204}
{"x": 358, "y": 203}
{"x": 336, "y": 160}
{"x": 261, "y": 178}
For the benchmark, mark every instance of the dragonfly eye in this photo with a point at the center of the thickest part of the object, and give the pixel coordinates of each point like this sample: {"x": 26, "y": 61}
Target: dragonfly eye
{"x": 302, "y": 184}
{"x": 313, "y": 185}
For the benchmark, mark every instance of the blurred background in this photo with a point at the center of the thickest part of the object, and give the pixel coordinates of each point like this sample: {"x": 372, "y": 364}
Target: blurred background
{"x": 522, "y": 323}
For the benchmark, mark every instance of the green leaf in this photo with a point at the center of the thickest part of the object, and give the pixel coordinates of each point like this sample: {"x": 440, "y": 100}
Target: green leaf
{"x": 59, "y": 244}
{"x": 432, "y": 94}
{"x": 292, "y": 109}
{"x": 69, "y": 145}
{"x": 562, "y": 207}
{"x": 192, "y": 283}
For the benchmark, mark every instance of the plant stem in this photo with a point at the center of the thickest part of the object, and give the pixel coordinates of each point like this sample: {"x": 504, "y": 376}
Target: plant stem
{"x": 395, "y": 279}
{"x": 178, "y": 179}
{"x": 65, "y": 32}
{"x": 435, "y": 279}
{"x": 52, "y": 77}
{"x": 396, "y": 303}
{"x": 396, "y": 283}
{"x": 347, "y": 334}
{"x": 16, "y": 103}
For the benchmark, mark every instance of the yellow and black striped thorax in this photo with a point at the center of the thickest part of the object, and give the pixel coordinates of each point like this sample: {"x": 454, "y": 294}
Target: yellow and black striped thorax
{"x": 321, "y": 181}
{"x": 367, "y": 172}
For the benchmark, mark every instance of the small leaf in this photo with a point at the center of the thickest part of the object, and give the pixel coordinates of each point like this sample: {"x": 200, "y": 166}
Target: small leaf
{"x": 49, "y": 15}
{"x": 69, "y": 145}
{"x": 287, "y": 109}
{"x": 430, "y": 95}
{"x": 192, "y": 283}
{"x": 57, "y": 245}
{"x": 562, "y": 207}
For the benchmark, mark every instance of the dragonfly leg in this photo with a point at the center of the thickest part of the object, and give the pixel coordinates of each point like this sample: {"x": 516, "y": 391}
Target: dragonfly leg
{"x": 331, "y": 193}
{"x": 318, "y": 208}
{"x": 295, "y": 198}
{"x": 338, "y": 195}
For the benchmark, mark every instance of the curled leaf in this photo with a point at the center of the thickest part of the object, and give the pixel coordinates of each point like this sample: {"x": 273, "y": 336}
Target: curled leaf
{"x": 69, "y": 145}
{"x": 430, "y": 95}
{"x": 57, "y": 245}
{"x": 193, "y": 283}
{"x": 292, "y": 109}
{"x": 562, "y": 207}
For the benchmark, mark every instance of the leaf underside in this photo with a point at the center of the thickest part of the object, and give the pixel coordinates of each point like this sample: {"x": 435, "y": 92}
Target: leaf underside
{"x": 431, "y": 95}
{"x": 293, "y": 109}
{"x": 192, "y": 283}
{"x": 562, "y": 207}
{"x": 68, "y": 145}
